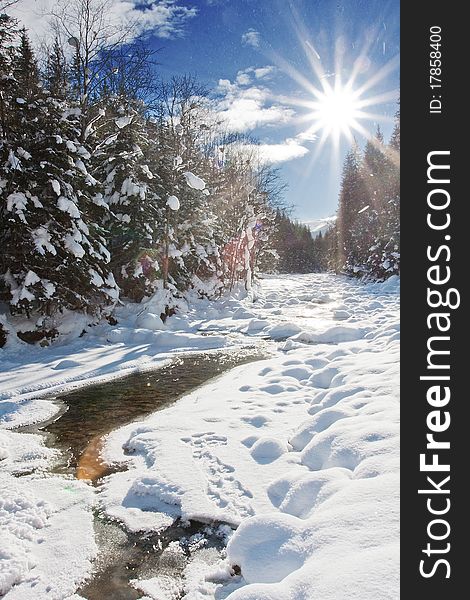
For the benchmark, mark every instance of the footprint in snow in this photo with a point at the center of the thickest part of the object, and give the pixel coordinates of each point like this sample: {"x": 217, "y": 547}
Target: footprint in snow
{"x": 273, "y": 389}
{"x": 223, "y": 489}
{"x": 256, "y": 421}
{"x": 299, "y": 373}
{"x": 320, "y": 422}
{"x": 250, "y": 440}
{"x": 316, "y": 363}
{"x": 263, "y": 372}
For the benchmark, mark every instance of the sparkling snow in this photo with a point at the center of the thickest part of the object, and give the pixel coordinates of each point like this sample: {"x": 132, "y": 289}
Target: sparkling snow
{"x": 297, "y": 452}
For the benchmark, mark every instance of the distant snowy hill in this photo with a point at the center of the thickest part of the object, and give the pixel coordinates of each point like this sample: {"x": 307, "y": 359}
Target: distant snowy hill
{"x": 322, "y": 225}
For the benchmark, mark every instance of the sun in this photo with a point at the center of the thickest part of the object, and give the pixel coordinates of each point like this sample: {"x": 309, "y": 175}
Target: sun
{"x": 336, "y": 101}
{"x": 336, "y": 111}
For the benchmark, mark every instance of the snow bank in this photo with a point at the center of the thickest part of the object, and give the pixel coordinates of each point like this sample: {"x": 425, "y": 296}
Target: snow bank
{"x": 23, "y": 412}
{"x": 267, "y": 549}
{"x": 283, "y": 330}
{"x": 299, "y": 451}
{"x": 22, "y": 516}
{"x": 88, "y": 352}
{"x": 150, "y": 321}
{"x": 333, "y": 335}
{"x": 44, "y": 522}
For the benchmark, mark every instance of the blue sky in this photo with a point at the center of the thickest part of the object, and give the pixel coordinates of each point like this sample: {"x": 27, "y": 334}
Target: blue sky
{"x": 256, "y": 56}
{"x": 227, "y": 37}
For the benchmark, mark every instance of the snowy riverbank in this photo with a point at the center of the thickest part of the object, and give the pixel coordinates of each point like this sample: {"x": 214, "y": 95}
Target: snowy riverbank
{"x": 300, "y": 451}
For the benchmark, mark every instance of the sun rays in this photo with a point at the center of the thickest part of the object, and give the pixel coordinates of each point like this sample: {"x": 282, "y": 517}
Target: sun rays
{"x": 342, "y": 97}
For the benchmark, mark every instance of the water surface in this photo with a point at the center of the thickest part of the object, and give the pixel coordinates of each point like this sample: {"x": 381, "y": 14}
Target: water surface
{"x": 96, "y": 410}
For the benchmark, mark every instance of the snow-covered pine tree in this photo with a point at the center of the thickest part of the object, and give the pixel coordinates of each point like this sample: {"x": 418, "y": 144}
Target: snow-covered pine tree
{"x": 351, "y": 227}
{"x": 55, "y": 256}
{"x": 125, "y": 161}
{"x": 56, "y": 69}
{"x": 269, "y": 190}
{"x": 381, "y": 173}
{"x": 190, "y": 251}
{"x": 194, "y": 230}
{"x": 9, "y": 36}
{"x": 390, "y": 263}
{"x": 367, "y": 231}
{"x": 395, "y": 137}
{"x": 225, "y": 190}
{"x": 9, "y": 33}
{"x": 332, "y": 249}
{"x": 295, "y": 245}
{"x": 367, "y": 201}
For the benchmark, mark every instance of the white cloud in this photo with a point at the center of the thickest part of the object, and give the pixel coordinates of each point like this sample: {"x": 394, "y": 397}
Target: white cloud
{"x": 243, "y": 78}
{"x": 309, "y": 135}
{"x": 289, "y": 149}
{"x": 245, "y": 108}
{"x": 264, "y": 72}
{"x": 251, "y": 38}
{"x": 246, "y": 104}
{"x": 246, "y": 76}
{"x": 163, "y": 18}
{"x": 273, "y": 154}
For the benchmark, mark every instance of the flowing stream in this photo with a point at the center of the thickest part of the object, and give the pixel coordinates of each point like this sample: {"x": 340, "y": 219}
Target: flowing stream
{"x": 89, "y": 413}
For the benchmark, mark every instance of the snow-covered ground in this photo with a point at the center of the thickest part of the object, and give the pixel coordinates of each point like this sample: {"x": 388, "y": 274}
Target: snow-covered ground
{"x": 299, "y": 452}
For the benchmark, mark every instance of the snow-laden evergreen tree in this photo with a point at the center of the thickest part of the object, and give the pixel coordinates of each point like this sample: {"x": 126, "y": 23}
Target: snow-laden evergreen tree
{"x": 9, "y": 36}
{"x": 384, "y": 254}
{"x": 56, "y": 71}
{"x": 295, "y": 245}
{"x": 9, "y": 33}
{"x": 236, "y": 215}
{"x": 196, "y": 247}
{"x": 352, "y": 225}
{"x": 371, "y": 222}
{"x": 368, "y": 224}
{"x": 390, "y": 260}
{"x": 267, "y": 200}
{"x": 190, "y": 250}
{"x": 126, "y": 162}
{"x": 54, "y": 253}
